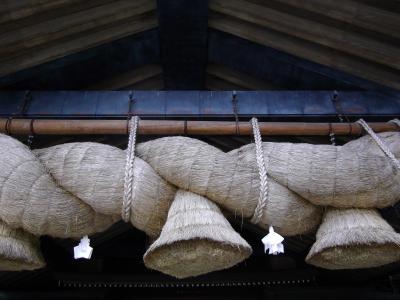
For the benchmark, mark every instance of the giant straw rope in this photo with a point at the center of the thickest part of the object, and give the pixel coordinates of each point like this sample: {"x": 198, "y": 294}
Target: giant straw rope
{"x": 77, "y": 189}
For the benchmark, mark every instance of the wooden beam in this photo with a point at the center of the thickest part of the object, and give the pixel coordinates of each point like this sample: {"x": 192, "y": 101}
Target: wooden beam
{"x": 163, "y": 127}
{"x": 279, "y": 68}
{"x": 68, "y": 7}
{"x": 82, "y": 41}
{"x": 128, "y": 79}
{"x": 214, "y": 83}
{"x": 353, "y": 12}
{"x": 152, "y": 83}
{"x": 239, "y": 78}
{"x": 20, "y": 39}
{"x": 311, "y": 51}
{"x": 12, "y": 10}
{"x": 336, "y": 38}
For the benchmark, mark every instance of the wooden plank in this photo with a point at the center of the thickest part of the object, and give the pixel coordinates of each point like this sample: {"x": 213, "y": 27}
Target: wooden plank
{"x": 214, "y": 83}
{"x": 128, "y": 79}
{"x": 238, "y": 78}
{"x": 336, "y": 38}
{"x": 304, "y": 49}
{"x": 353, "y": 12}
{"x": 68, "y": 7}
{"x": 85, "y": 40}
{"x": 40, "y": 33}
{"x": 152, "y": 83}
{"x": 12, "y": 10}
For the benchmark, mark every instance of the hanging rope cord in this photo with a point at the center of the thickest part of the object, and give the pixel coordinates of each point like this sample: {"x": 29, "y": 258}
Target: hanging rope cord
{"x": 379, "y": 142}
{"x": 129, "y": 174}
{"x": 262, "y": 170}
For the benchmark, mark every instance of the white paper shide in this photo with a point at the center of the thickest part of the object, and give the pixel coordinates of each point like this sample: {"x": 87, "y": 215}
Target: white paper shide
{"x": 83, "y": 250}
{"x": 273, "y": 242}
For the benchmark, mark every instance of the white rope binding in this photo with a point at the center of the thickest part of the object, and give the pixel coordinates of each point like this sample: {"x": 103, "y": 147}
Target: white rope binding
{"x": 272, "y": 241}
{"x": 379, "y": 142}
{"x": 129, "y": 176}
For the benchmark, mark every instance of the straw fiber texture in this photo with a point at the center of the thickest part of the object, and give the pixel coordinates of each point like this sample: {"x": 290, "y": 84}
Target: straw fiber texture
{"x": 357, "y": 174}
{"x": 31, "y": 199}
{"x": 222, "y": 177}
{"x": 354, "y": 238}
{"x": 95, "y": 174}
{"x": 77, "y": 189}
{"x": 19, "y": 250}
{"x": 196, "y": 239}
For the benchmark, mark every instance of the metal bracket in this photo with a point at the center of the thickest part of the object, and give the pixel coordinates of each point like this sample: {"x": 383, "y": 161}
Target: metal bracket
{"x": 235, "y": 111}
{"x": 338, "y": 108}
{"x": 130, "y": 107}
{"x": 26, "y": 103}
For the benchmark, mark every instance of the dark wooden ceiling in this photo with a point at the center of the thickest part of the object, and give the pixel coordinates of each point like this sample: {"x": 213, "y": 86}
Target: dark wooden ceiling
{"x": 215, "y": 44}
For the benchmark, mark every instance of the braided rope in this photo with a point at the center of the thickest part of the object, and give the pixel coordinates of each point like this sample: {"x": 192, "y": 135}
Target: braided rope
{"x": 380, "y": 143}
{"x": 128, "y": 181}
{"x": 262, "y": 170}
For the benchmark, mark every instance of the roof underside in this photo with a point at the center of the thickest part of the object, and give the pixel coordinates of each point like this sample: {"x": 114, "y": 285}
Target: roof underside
{"x": 238, "y": 44}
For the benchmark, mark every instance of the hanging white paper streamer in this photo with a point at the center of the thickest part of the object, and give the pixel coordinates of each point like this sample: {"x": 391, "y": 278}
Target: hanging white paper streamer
{"x": 273, "y": 242}
{"x": 83, "y": 250}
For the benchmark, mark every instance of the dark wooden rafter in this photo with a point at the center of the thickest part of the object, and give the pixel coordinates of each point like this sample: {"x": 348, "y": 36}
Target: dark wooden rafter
{"x": 53, "y": 29}
{"x": 90, "y": 67}
{"x": 214, "y": 83}
{"x": 353, "y": 12}
{"x": 55, "y": 37}
{"x": 11, "y": 10}
{"x": 153, "y": 83}
{"x": 49, "y": 30}
{"x": 146, "y": 76}
{"x": 255, "y": 11}
{"x": 351, "y": 52}
{"x": 220, "y": 77}
{"x": 279, "y": 69}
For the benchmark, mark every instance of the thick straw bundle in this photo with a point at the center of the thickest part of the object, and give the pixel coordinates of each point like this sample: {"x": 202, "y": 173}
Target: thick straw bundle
{"x": 19, "y": 250}
{"x": 352, "y": 239}
{"x": 95, "y": 173}
{"x": 72, "y": 190}
{"x": 222, "y": 177}
{"x": 31, "y": 199}
{"x": 196, "y": 239}
{"x": 357, "y": 174}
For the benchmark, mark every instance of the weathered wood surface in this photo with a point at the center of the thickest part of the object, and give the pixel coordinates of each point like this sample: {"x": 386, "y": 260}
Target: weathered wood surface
{"x": 319, "y": 34}
{"x": 147, "y": 76}
{"x": 220, "y": 77}
{"x": 52, "y": 31}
